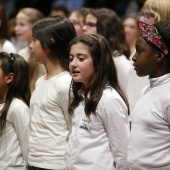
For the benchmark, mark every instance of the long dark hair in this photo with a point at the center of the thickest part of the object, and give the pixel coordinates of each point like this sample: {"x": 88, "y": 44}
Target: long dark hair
{"x": 19, "y": 87}
{"x": 110, "y": 26}
{"x": 62, "y": 31}
{"x": 105, "y": 71}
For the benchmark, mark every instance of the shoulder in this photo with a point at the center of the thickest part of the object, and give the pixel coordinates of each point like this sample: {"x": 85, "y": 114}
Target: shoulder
{"x": 112, "y": 104}
{"x": 17, "y": 104}
{"x": 39, "y": 80}
{"x": 24, "y": 52}
{"x": 145, "y": 90}
{"x": 65, "y": 82}
{"x": 121, "y": 58}
{"x": 111, "y": 96}
{"x": 18, "y": 112}
{"x": 8, "y": 47}
{"x": 62, "y": 80}
{"x": 122, "y": 62}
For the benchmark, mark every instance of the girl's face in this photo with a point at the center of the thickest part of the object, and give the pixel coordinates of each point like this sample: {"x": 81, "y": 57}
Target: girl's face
{"x": 90, "y": 25}
{"x": 147, "y": 18}
{"x": 4, "y": 81}
{"x": 37, "y": 51}
{"x": 23, "y": 28}
{"x": 131, "y": 29}
{"x": 145, "y": 59}
{"x": 77, "y": 21}
{"x": 81, "y": 64}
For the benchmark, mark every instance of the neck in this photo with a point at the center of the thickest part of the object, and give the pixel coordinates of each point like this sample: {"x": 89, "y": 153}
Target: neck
{"x": 53, "y": 69}
{"x": 2, "y": 99}
{"x": 160, "y": 73}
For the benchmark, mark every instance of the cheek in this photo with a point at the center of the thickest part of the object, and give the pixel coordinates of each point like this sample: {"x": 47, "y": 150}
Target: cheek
{"x": 94, "y": 30}
{"x": 89, "y": 71}
{"x": 27, "y": 31}
{"x": 79, "y": 30}
{"x": 69, "y": 66}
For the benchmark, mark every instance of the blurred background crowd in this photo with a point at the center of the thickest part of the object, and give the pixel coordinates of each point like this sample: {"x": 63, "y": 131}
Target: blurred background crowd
{"x": 121, "y": 7}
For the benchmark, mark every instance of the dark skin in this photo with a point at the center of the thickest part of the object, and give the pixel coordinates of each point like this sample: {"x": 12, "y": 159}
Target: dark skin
{"x": 149, "y": 61}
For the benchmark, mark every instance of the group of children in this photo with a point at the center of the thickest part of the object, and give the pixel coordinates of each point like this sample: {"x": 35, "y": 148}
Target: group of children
{"x": 77, "y": 116}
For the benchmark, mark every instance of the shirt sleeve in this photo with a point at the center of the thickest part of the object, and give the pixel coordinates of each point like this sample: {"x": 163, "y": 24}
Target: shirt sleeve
{"x": 116, "y": 124}
{"x": 20, "y": 118}
{"x": 65, "y": 99}
{"x": 167, "y": 114}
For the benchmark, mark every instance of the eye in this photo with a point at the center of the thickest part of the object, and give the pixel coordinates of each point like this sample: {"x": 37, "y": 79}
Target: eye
{"x": 138, "y": 50}
{"x": 81, "y": 59}
{"x": 71, "y": 59}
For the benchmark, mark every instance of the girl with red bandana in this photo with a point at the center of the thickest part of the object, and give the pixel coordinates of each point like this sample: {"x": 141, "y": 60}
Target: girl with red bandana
{"x": 149, "y": 142}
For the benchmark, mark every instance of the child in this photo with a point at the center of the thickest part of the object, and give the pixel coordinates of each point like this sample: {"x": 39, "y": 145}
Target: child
{"x": 151, "y": 12}
{"x": 130, "y": 23}
{"x": 149, "y": 143}
{"x": 5, "y": 44}
{"x": 25, "y": 19}
{"x": 14, "y": 114}
{"x": 154, "y": 11}
{"x": 107, "y": 23}
{"x": 50, "y": 123}
{"x": 100, "y": 110}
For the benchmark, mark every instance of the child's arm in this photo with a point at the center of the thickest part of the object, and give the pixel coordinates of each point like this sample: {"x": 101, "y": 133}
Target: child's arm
{"x": 64, "y": 100}
{"x": 20, "y": 118}
{"x": 116, "y": 123}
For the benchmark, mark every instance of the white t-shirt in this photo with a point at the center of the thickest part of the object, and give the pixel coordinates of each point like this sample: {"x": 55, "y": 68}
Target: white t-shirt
{"x": 50, "y": 122}
{"x": 14, "y": 141}
{"x": 99, "y": 142}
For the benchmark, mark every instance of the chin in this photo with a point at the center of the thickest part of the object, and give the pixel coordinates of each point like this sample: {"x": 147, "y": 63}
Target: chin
{"x": 140, "y": 74}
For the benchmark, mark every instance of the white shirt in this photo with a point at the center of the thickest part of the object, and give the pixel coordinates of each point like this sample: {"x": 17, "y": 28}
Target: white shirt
{"x": 149, "y": 143}
{"x": 50, "y": 122}
{"x": 14, "y": 141}
{"x": 134, "y": 87}
{"x": 8, "y": 47}
{"x": 101, "y": 141}
{"x": 123, "y": 67}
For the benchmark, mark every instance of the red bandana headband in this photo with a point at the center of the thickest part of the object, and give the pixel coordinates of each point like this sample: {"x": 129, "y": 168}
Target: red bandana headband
{"x": 151, "y": 35}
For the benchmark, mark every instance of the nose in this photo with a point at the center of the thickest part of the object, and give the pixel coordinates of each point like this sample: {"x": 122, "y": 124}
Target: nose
{"x": 134, "y": 57}
{"x": 16, "y": 28}
{"x": 84, "y": 27}
{"x": 142, "y": 19}
{"x": 127, "y": 29}
{"x": 73, "y": 63}
{"x": 30, "y": 45}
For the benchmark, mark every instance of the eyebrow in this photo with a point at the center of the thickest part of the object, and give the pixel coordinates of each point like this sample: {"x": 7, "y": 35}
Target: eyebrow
{"x": 78, "y": 54}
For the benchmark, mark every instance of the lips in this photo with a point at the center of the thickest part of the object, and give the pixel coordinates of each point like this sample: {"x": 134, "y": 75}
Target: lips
{"x": 135, "y": 67}
{"x": 74, "y": 72}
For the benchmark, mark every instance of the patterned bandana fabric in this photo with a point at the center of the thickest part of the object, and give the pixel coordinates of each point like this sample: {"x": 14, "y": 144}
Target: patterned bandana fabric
{"x": 151, "y": 35}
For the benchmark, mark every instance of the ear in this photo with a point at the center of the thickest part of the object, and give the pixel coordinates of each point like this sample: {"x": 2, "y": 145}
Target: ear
{"x": 160, "y": 57}
{"x": 9, "y": 78}
{"x": 52, "y": 40}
